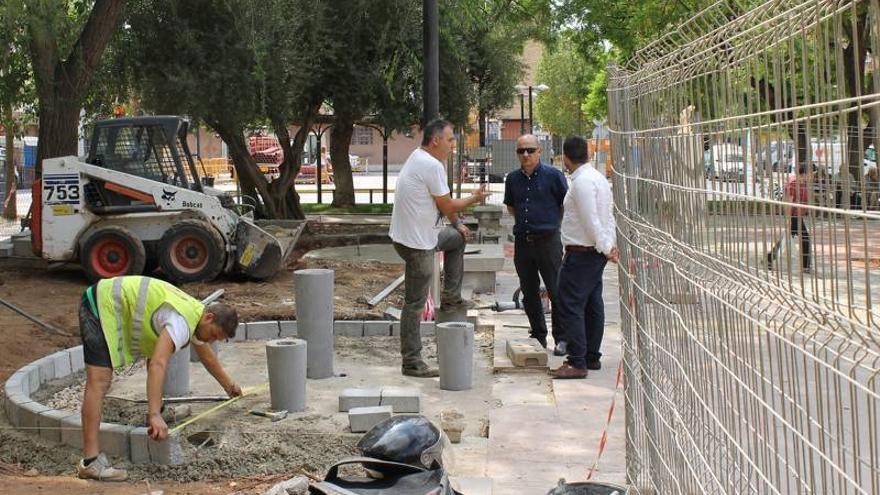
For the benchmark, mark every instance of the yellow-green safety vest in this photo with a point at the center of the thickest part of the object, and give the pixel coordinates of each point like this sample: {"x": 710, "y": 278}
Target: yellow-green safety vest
{"x": 125, "y": 308}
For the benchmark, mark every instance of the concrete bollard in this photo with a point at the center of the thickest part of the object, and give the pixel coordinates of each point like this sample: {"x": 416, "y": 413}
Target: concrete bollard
{"x": 194, "y": 358}
{"x": 314, "y": 316}
{"x": 286, "y": 359}
{"x": 455, "y": 352}
{"x": 177, "y": 376}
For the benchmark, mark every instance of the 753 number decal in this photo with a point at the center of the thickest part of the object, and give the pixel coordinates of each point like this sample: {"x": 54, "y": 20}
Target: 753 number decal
{"x": 61, "y": 189}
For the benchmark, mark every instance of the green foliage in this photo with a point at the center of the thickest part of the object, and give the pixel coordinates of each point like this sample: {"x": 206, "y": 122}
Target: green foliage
{"x": 569, "y": 77}
{"x": 595, "y": 106}
{"x": 16, "y": 79}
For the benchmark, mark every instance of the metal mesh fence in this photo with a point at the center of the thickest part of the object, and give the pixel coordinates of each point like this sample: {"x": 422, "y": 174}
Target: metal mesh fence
{"x": 744, "y": 148}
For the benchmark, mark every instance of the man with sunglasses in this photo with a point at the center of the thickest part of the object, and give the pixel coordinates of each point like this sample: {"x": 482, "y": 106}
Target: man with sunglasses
{"x": 533, "y": 195}
{"x": 421, "y": 201}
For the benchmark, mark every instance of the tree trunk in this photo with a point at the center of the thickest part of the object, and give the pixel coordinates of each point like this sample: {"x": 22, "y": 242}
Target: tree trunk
{"x": 283, "y": 189}
{"x": 62, "y": 83}
{"x": 340, "y": 143}
{"x": 482, "y": 127}
{"x": 9, "y": 210}
{"x": 252, "y": 182}
{"x": 853, "y": 71}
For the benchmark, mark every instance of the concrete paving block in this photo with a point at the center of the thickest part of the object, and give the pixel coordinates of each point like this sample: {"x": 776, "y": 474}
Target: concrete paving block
{"x": 472, "y": 315}
{"x": 139, "y": 445}
{"x": 262, "y": 330}
{"x": 380, "y": 328}
{"x": 71, "y": 431}
{"x": 348, "y": 328}
{"x": 77, "y": 360}
{"x": 362, "y": 419}
{"x": 240, "y": 333}
{"x": 61, "y": 360}
{"x": 401, "y": 399}
{"x": 483, "y": 263}
{"x": 288, "y": 328}
{"x": 12, "y": 408}
{"x": 526, "y": 352}
{"x": 15, "y": 385}
{"x": 31, "y": 373}
{"x": 167, "y": 452}
{"x": 47, "y": 368}
{"x": 359, "y": 397}
{"x": 50, "y": 424}
{"x": 114, "y": 439}
{"x": 428, "y": 328}
{"x": 29, "y": 417}
{"x": 482, "y": 282}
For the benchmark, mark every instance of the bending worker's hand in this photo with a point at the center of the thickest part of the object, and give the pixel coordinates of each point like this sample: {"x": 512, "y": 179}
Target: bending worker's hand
{"x": 463, "y": 230}
{"x": 480, "y": 194}
{"x": 157, "y": 429}
{"x": 233, "y": 390}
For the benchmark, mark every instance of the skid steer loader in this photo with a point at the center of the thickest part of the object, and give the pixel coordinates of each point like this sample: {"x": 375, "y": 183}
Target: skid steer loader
{"x": 137, "y": 202}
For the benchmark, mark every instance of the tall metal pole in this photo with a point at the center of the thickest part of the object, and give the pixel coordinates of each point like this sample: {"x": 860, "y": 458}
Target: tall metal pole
{"x": 522, "y": 115}
{"x": 385, "y": 166}
{"x": 531, "y": 127}
{"x": 431, "y": 83}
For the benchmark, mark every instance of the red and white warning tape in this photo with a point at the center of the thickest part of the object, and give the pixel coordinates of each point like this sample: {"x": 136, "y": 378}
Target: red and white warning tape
{"x": 604, "y": 439}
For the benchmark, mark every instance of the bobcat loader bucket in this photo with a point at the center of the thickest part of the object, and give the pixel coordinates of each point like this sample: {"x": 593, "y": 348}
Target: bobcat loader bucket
{"x": 260, "y": 251}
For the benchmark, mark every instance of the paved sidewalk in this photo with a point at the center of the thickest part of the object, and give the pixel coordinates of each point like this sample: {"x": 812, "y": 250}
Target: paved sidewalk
{"x": 543, "y": 430}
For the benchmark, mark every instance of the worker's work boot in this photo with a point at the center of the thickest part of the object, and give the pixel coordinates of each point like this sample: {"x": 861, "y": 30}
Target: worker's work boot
{"x": 101, "y": 470}
{"x": 419, "y": 370}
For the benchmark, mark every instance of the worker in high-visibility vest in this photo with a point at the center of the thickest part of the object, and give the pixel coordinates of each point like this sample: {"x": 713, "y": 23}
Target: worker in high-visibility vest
{"x": 124, "y": 318}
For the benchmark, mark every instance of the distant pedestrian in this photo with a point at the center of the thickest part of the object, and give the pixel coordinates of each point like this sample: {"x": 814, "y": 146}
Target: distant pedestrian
{"x": 797, "y": 191}
{"x": 533, "y": 195}
{"x": 421, "y": 201}
{"x": 588, "y": 234}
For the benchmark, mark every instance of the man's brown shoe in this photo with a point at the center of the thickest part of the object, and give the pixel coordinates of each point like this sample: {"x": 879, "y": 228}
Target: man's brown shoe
{"x": 423, "y": 371}
{"x": 567, "y": 371}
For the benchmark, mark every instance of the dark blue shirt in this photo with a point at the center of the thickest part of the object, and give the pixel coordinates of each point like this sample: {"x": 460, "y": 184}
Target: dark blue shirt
{"x": 536, "y": 199}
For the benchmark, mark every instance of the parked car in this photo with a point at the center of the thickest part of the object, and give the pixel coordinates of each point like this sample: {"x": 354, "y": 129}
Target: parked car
{"x": 726, "y": 162}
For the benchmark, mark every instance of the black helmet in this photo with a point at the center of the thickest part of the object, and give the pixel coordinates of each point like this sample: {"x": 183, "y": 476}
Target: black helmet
{"x": 408, "y": 439}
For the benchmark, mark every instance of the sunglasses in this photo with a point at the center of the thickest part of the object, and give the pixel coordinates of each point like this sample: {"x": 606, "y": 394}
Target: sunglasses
{"x": 523, "y": 151}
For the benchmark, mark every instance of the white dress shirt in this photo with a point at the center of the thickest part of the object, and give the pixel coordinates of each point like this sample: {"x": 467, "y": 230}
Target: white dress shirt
{"x": 588, "y": 219}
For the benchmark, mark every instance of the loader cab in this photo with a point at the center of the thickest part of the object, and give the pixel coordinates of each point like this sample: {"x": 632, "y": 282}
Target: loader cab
{"x": 152, "y": 147}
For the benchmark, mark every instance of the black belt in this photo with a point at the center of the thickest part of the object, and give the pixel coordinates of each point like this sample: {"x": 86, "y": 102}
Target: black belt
{"x": 538, "y": 236}
{"x": 579, "y": 249}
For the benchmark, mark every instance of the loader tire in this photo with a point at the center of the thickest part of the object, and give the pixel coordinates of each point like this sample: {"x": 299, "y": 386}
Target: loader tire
{"x": 190, "y": 251}
{"x": 112, "y": 251}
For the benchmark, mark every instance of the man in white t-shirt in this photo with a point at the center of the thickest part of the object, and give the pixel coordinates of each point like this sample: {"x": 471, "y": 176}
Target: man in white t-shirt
{"x": 421, "y": 200}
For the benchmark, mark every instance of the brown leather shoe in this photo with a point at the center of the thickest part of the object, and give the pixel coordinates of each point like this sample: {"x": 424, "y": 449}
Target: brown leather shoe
{"x": 567, "y": 371}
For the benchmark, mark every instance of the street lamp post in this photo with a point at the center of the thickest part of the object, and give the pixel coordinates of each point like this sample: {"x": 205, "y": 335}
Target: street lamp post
{"x": 531, "y": 89}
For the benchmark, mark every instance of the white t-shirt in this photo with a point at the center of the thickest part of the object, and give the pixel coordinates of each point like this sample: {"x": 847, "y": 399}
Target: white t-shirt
{"x": 167, "y": 317}
{"x": 415, "y": 219}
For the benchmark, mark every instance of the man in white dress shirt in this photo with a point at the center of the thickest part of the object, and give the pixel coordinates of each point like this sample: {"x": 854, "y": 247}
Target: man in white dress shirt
{"x": 588, "y": 239}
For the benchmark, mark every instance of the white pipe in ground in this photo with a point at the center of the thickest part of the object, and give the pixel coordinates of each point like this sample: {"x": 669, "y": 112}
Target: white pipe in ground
{"x": 177, "y": 375}
{"x": 455, "y": 352}
{"x": 314, "y": 315}
{"x": 286, "y": 360}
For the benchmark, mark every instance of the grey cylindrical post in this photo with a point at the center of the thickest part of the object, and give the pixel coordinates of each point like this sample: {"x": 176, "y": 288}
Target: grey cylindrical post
{"x": 314, "y": 317}
{"x": 455, "y": 352}
{"x": 286, "y": 359}
{"x": 177, "y": 376}
{"x": 194, "y": 357}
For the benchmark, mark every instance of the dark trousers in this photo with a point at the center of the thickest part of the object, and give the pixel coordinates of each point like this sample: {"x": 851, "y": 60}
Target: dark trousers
{"x": 798, "y": 228}
{"x": 581, "y": 309}
{"x": 417, "y": 282}
{"x": 539, "y": 255}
